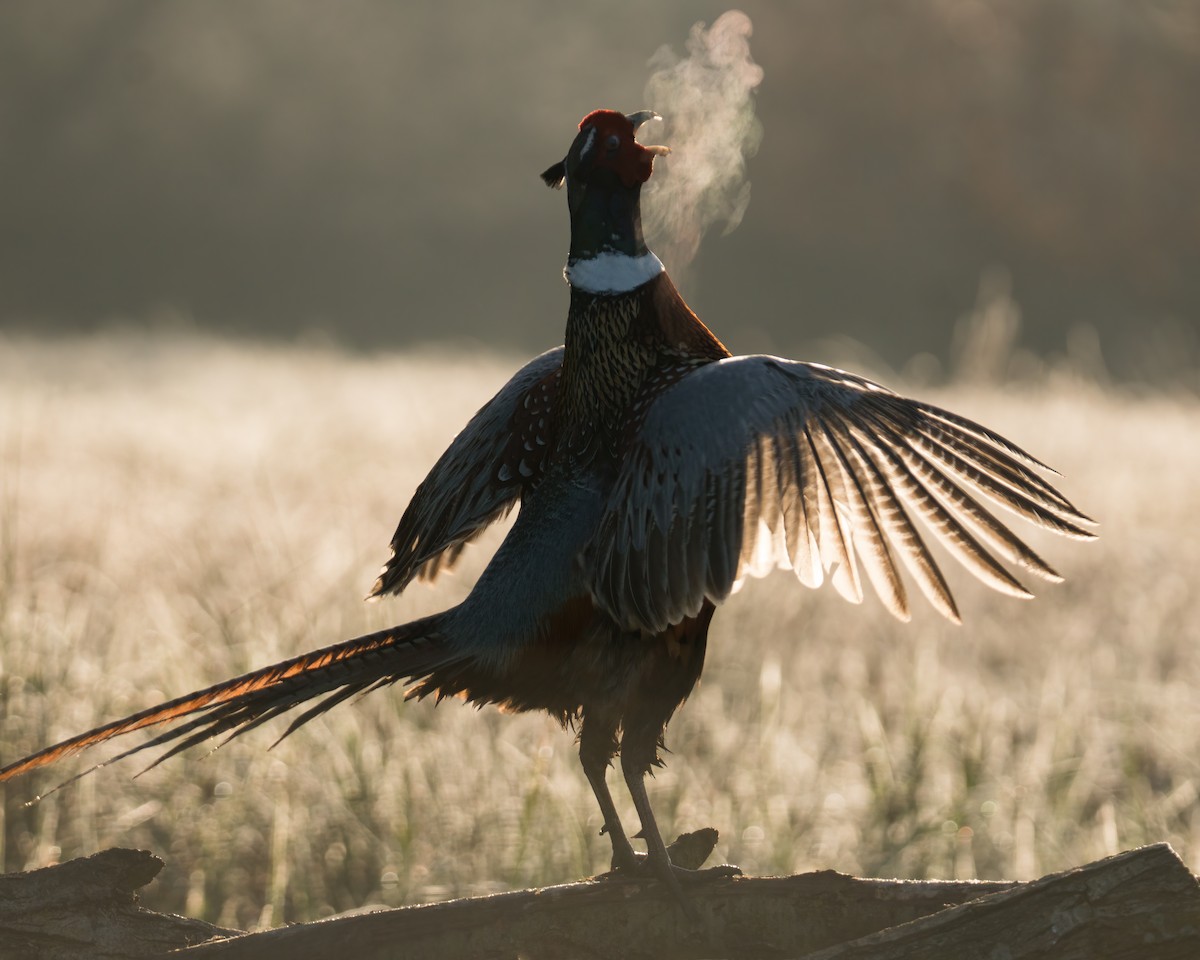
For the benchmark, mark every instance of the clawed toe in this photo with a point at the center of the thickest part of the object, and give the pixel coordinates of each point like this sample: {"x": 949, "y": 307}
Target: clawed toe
{"x": 634, "y": 867}
{"x": 685, "y": 860}
{"x": 721, "y": 871}
{"x": 676, "y": 867}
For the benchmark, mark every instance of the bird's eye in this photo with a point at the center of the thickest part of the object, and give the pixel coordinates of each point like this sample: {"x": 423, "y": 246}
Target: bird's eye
{"x": 613, "y": 141}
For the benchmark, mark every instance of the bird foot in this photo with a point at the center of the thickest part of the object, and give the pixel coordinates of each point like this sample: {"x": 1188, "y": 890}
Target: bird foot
{"x": 687, "y": 855}
{"x": 719, "y": 871}
{"x": 643, "y": 868}
{"x": 679, "y": 869}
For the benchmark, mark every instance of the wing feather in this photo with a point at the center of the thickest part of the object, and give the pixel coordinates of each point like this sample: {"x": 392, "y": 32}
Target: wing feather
{"x": 834, "y": 535}
{"x": 799, "y": 522}
{"x": 911, "y": 545}
{"x": 872, "y": 544}
{"x": 1006, "y": 492}
{"x": 919, "y": 469}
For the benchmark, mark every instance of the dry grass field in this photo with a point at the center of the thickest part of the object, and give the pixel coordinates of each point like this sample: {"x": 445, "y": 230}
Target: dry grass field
{"x": 177, "y": 510}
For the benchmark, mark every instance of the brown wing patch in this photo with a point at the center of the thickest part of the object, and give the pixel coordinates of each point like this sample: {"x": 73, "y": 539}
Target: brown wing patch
{"x": 679, "y": 329}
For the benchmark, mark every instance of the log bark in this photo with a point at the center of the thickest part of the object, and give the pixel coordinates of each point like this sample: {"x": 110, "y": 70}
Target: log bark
{"x": 88, "y": 908}
{"x": 1142, "y": 903}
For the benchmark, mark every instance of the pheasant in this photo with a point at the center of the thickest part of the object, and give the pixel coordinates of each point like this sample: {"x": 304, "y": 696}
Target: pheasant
{"x": 654, "y": 473}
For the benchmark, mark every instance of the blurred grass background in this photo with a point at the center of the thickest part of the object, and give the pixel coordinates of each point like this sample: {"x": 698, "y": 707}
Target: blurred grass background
{"x": 259, "y": 261}
{"x": 367, "y": 170}
{"x": 174, "y": 511}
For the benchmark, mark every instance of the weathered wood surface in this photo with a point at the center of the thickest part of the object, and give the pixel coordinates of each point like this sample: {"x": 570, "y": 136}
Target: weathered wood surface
{"x": 1143, "y": 903}
{"x": 88, "y": 908}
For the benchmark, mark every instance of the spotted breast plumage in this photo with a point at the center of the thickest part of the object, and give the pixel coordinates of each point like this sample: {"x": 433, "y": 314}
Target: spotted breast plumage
{"x": 654, "y": 473}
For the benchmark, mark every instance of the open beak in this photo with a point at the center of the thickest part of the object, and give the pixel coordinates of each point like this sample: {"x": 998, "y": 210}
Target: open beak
{"x": 637, "y": 119}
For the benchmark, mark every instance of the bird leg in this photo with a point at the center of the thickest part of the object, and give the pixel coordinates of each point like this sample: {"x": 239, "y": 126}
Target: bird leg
{"x": 635, "y": 767}
{"x": 597, "y": 747}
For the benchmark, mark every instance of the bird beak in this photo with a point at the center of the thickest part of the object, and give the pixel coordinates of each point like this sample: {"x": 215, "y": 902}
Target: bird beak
{"x": 637, "y": 119}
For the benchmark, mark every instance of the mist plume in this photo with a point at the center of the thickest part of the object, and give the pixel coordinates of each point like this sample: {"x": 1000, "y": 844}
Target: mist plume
{"x": 707, "y": 102}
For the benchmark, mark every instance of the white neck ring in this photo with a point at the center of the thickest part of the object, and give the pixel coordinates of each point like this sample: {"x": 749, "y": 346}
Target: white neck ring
{"x": 612, "y": 272}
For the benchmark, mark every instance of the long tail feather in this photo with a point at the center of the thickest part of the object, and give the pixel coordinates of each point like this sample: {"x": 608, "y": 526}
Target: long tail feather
{"x": 401, "y": 653}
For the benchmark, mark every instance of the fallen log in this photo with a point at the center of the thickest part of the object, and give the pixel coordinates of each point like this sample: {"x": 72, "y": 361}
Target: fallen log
{"x": 87, "y": 908}
{"x": 1139, "y": 905}
{"x": 1143, "y": 903}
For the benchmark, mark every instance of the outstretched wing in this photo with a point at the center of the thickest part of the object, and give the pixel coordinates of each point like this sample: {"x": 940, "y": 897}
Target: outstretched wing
{"x": 479, "y": 478}
{"x": 756, "y": 462}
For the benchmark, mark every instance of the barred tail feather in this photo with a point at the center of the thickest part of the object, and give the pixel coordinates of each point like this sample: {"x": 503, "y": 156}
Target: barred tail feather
{"x": 404, "y": 652}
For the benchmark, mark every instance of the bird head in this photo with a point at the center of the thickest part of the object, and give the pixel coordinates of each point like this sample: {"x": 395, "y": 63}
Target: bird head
{"x": 606, "y": 151}
{"x": 604, "y": 171}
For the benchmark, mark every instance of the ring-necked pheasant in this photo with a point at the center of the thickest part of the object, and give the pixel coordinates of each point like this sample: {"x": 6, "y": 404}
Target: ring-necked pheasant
{"x": 654, "y": 472}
